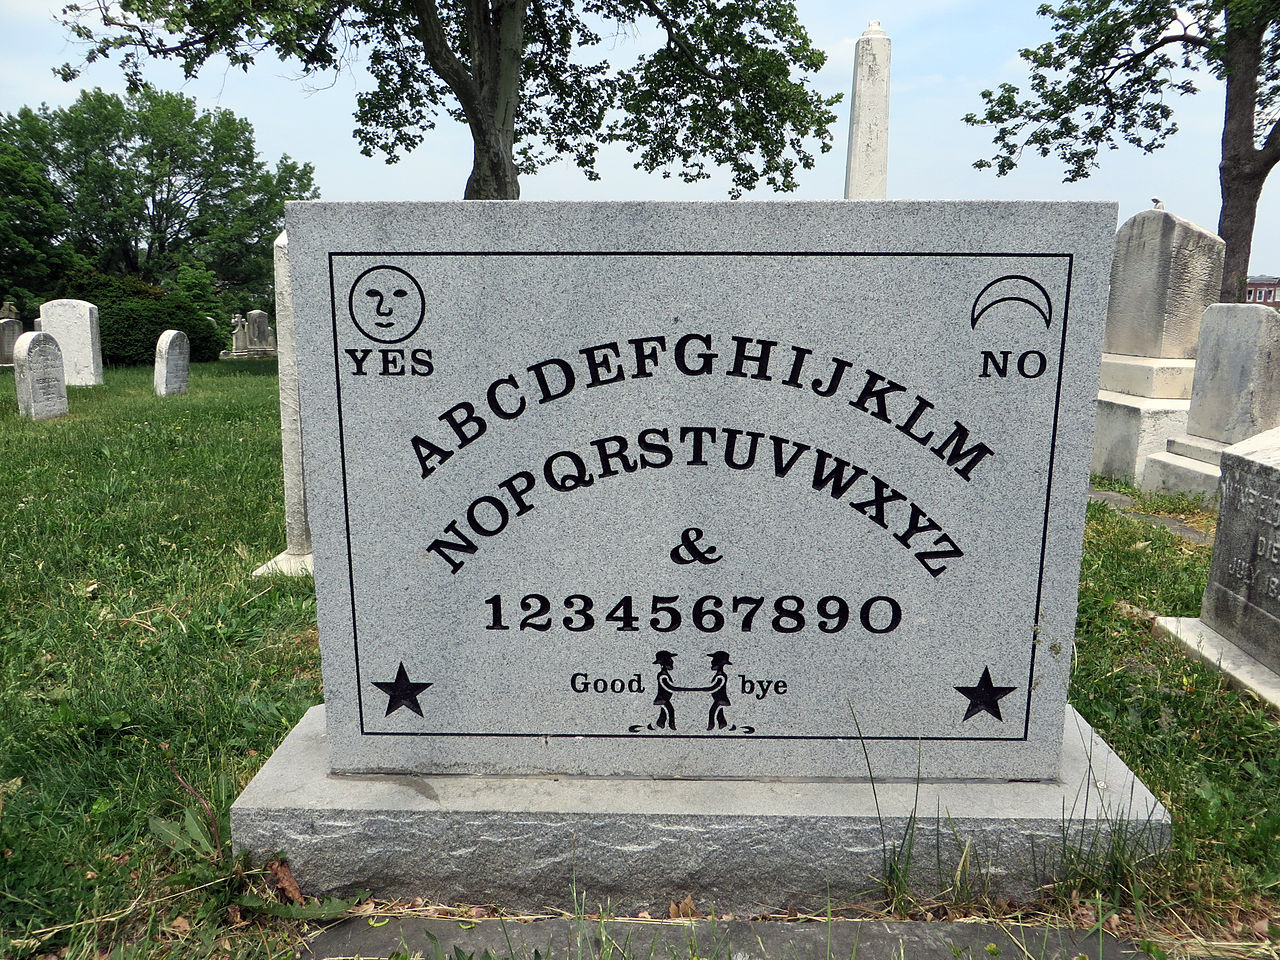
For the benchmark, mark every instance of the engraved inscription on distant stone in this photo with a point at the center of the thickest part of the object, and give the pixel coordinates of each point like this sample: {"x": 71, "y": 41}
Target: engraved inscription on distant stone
{"x": 1242, "y": 601}
{"x": 698, "y": 489}
{"x": 173, "y": 362}
{"x": 39, "y": 378}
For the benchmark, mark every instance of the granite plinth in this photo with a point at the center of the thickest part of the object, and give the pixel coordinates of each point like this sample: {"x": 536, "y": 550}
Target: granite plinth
{"x": 1155, "y": 377}
{"x": 737, "y": 846}
{"x": 1130, "y": 429}
{"x": 1169, "y": 472}
{"x": 1243, "y": 671}
{"x": 575, "y": 938}
{"x": 286, "y": 564}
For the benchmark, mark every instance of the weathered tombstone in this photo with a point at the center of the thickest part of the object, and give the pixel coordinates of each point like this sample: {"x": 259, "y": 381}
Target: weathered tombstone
{"x": 295, "y": 559}
{"x": 867, "y": 174}
{"x": 173, "y": 363}
{"x": 1239, "y": 624}
{"x": 1236, "y": 394}
{"x": 10, "y": 330}
{"x": 239, "y": 336}
{"x": 678, "y": 523}
{"x": 1164, "y": 273}
{"x": 8, "y": 311}
{"x": 74, "y": 324}
{"x": 39, "y": 378}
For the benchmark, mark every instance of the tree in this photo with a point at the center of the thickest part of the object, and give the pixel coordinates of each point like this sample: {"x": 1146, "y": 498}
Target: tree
{"x": 1106, "y": 75}
{"x": 150, "y": 182}
{"x": 32, "y": 218}
{"x": 520, "y": 75}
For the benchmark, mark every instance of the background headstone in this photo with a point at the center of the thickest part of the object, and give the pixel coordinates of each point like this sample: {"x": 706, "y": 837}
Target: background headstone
{"x": 296, "y": 557}
{"x": 10, "y": 330}
{"x": 8, "y": 311}
{"x": 74, "y": 324}
{"x": 1238, "y": 630}
{"x": 1164, "y": 272}
{"x": 173, "y": 363}
{"x": 1236, "y": 394}
{"x": 39, "y": 378}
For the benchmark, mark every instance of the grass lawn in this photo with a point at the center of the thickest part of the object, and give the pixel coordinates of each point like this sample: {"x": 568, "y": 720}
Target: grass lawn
{"x": 145, "y": 675}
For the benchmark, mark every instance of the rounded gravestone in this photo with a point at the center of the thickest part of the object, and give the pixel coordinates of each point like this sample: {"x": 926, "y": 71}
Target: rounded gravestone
{"x": 173, "y": 363}
{"x": 39, "y": 377}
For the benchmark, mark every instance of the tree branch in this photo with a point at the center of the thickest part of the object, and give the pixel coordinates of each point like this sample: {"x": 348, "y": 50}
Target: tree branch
{"x": 678, "y": 40}
{"x": 442, "y": 59}
{"x": 1190, "y": 39}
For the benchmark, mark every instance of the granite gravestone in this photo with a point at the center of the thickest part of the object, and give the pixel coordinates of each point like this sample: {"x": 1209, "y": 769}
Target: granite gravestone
{"x": 698, "y": 490}
{"x": 74, "y": 324}
{"x": 39, "y": 377}
{"x": 10, "y": 330}
{"x": 1242, "y": 601}
{"x": 173, "y": 363}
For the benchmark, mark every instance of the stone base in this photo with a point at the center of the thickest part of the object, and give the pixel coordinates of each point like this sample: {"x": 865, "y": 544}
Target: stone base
{"x": 1173, "y": 473}
{"x": 287, "y": 564}
{"x": 1198, "y": 448}
{"x": 1130, "y": 429}
{"x": 1151, "y": 377}
{"x": 246, "y": 354}
{"x": 737, "y": 846}
{"x": 1242, "y": 670}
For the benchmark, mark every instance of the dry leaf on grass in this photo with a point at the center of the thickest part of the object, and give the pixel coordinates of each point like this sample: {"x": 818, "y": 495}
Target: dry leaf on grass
{"x": 180, "y": 926}
{"x": 284, "y": 882}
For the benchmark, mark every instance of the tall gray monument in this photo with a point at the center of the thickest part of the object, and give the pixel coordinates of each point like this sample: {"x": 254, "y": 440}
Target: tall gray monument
{"x": 867, "y": 172}
{"x": 634, "y": 511}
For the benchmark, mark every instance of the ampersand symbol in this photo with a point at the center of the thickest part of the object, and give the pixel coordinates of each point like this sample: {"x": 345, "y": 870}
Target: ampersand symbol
{"x": 687, "y": 551}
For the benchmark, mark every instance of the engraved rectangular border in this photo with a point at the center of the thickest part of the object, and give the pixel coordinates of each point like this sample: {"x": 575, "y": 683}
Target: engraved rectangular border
{"x": 333, "y": 256}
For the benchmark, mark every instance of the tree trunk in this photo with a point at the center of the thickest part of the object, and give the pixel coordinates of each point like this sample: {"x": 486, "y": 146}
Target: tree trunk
{"x": 493, "y": 169}
{"x": 1241, "y": 171}
{"x": 1241, "y": 190}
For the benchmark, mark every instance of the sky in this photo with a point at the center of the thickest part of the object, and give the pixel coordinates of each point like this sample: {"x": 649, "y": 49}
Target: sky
{"x": 945, "y": 52}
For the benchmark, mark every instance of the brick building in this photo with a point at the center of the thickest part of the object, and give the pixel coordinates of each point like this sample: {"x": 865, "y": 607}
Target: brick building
{"x": 1263, "y": 290}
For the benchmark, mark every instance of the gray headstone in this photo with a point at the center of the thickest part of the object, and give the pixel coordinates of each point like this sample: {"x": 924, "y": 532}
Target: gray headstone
{"x": 239, "y": 336}
{"x": 39, "y": 378}
{"x": 698, "y": 489}
{"x": 1242, "y": 601}
{"x": 173, "y": 363}
{"x": 259, "y": 330}
{"x": 1164, "y": 272}
{"x": 74, "y": 324}
{"x": 1236, "y": 391}
{"x": 10, "y": 330}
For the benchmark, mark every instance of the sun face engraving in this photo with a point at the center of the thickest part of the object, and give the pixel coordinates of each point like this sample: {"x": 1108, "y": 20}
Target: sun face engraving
{"x": 387, "y": 304}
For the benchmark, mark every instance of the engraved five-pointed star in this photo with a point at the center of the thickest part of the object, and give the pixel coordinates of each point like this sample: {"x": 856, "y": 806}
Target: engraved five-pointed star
{"x": 401, "y": 692}
{"x": 985, "y": 696}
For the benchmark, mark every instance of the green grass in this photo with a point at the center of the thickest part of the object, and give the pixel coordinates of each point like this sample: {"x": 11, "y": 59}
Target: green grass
{"x": 138, "y": 654}
{"x": 127, "y": 533}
